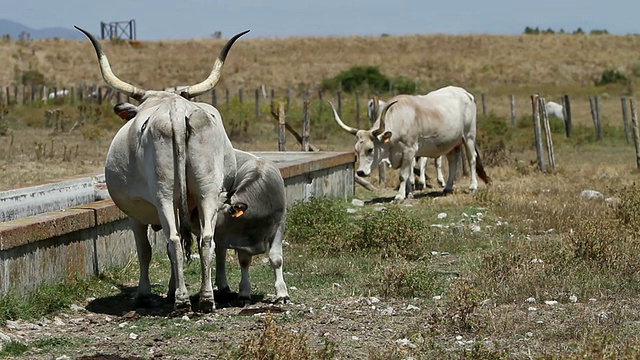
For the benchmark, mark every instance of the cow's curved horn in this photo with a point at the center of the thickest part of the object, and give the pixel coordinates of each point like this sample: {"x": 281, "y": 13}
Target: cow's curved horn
{"x": 108, "y": 75}
{"x": 381, "y": 126}
{"x": 210, "y": 82}
{"x": 346, "y": 128}
{"x": 376, "y": 107}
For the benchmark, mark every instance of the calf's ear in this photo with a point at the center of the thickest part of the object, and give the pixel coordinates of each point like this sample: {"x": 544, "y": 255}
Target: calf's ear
{"x": 237, "y": 209}
{"x": 386, "y": 137}
{"x": 125, "y": 111}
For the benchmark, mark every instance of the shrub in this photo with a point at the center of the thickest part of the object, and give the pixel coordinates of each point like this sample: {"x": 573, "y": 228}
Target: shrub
{"x": 409, "y": 279}
{"x": 355, "y": 78}
{"x": 611, "y": 77}
{"x": 392, "y": 233}
{"x": 32, "y": 78}
{"x": 323, "y": 224}
{"x": 278, "y": 343}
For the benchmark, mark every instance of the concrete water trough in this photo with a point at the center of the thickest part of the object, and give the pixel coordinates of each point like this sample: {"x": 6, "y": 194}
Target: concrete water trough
{"x": 69, "y": 229}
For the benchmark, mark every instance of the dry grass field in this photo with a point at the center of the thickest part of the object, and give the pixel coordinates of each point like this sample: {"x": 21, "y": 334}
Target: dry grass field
{"x": 524, "y": 269}
{"x": 482, "y": 63}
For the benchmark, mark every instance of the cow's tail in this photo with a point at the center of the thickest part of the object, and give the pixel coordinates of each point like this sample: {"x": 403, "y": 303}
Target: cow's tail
{"x": 180, "y": 201}
{"x": 480, "y": 169}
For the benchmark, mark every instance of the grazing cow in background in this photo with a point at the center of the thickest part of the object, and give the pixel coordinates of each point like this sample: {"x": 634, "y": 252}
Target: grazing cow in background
{"x": 428, "y": 125}
{"x": 172, "y": 157}
{"x": 554, "y": 109}
{"x": 252, "y": 221}
{"x": 56, "y": 95}
{"x": 373, "y": 109}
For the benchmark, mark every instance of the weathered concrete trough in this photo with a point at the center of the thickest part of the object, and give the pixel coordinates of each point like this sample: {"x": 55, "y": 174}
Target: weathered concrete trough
{"x": 62, "y": 230}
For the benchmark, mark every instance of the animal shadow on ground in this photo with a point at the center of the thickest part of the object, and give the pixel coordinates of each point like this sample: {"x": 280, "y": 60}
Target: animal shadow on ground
{"x": 124, "y": 304}
{"x": 416, "y": 195}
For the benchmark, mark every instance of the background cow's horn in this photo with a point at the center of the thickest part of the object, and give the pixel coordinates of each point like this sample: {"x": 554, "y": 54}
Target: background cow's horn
{"x": 339, "y": 121}
{"x": 376, "y": 107}
{"x": 108, "y": 75}
{"x": 213, "y": 78}
{"x": 381, "y": 127}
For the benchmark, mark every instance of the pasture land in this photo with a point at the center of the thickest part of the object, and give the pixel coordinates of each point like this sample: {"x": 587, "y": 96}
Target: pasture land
{"x": 495, "y": 64}
{"x": 523, "y": 269}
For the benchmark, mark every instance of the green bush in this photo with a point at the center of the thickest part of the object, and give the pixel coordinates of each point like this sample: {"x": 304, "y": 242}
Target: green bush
{"x": 611, "y": 77}
{"x": 322, "y": 224}
{"x": 356, "y": 77}
{"x": 33, "y": 78}
{"x": 394, "y": 232}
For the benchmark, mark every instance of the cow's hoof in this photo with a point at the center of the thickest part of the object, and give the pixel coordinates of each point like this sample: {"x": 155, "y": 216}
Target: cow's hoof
{"x": 242, "y": 302}
{"x": 142, "y": 301}
{"x": 225, "y": 296}
{"x": 182, "y": 305}
{"x": 282, "y": 300}
{"x": 447, "y": 191}
{"x": 206, "y": 305}
{"x": 398, "y": 199}
{"x": 171, "y": 297}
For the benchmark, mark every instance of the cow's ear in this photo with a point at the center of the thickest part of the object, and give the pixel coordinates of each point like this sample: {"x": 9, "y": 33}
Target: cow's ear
{"x": 125, "y": 111}
{"x": 238, "y": 209}
{"x": 386, "y": 137}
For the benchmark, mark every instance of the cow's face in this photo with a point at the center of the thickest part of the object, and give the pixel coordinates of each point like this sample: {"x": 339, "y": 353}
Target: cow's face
{"x": 371, "y": 150}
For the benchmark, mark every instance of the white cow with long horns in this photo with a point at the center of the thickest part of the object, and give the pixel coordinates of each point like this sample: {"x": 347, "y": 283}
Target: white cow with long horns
{"x": 428, "y": 125}
{"x": 374, "y": 106}
{"x": 172, "y": 157}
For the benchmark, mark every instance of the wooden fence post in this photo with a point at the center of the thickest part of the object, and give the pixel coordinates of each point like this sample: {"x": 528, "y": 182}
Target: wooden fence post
{"x": 547, "y": 133}
{"x": 636, "y": 131}
{"x": 339, "y": 93}
{"x": 513, "y": 109}
{"x": 320, "y": 104}
{"x": 306, "y": 127}
{"x": 625, "y": 119}
{"x": 594, "y": 102}
{"x": 484, "y": 104}
{"x": 281, "y": 126}
{"x": 257, "y": 104}
{"x": 566, "y": 110}
{"x": 537, "y": 132}
{"x": 240, "y": 95}
{"x": 358, "y": 110}
{"x": 288, "y": 99}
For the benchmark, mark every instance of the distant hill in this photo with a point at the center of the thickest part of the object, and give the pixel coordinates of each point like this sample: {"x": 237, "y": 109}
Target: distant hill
{"x": 14, "y": 29}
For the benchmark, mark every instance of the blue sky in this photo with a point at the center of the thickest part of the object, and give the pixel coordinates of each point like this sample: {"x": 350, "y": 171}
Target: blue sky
{"x": 188, "y": 19}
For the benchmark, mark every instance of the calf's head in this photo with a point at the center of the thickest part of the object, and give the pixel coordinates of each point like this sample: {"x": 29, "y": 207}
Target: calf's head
{"x": 372, "y": 146}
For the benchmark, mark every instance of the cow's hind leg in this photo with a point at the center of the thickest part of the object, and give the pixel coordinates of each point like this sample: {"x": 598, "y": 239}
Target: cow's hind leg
{"x": 276, "y": 259}
{"x": 244, "y": 295}
{"x": 209, "y": 215}
{"x": 471, "y": 158}
{"x": 176, "y": 255}
{"x": 143, "y": 296}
